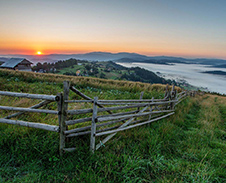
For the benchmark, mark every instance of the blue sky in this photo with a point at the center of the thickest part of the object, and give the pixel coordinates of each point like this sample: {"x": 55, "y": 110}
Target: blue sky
{"x": 174, "y": 27}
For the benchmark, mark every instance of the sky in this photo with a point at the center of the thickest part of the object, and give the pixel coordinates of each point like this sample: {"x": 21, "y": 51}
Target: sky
{"x": 188, "y": 28}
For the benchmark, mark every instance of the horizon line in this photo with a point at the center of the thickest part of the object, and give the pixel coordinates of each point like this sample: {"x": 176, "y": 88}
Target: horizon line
{"x": 154, "y": 55}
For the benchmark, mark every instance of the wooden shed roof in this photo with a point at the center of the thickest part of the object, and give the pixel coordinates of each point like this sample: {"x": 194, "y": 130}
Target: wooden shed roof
{"x": 13, "y": 62}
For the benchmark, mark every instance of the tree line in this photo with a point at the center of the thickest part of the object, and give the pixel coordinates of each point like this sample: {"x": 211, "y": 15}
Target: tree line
{"x": 52, "y": 67}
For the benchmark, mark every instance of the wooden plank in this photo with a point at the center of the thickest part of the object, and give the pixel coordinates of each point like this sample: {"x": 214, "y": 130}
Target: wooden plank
{"x": 153, "y": 103}
{"x": 141, "y": 97}
{"x": 31, "y": 124}
{"x": 43, "y": 103}
{"x": 79, "y": 111}
{"x": 166, "y": 96}
{"x": 118, "y": 114}
{"x": 78, "y": 134}
{"x": 122, "y": 107}
{"x": 132, "y": 126}
{"x": 86, "y": 97}
{"x": 122, "y": 126}
{"x": 180, "y": 100}
{"x": 69, "y": 149}
{"x": 139, "y": 100}
{"x": 93, "y": 126}
{"x": 88, "y": 132}
{"x": 174, "y": 98}
{"x": 79, "y": 93}
{"x": 102, "y": 130}
{"x": 77, "y": 129}
{"x": 131, "y": 115}
{"x": 63, "y": 116}
{"x": 78, "y": 101}
{"x": 60, "y": 118}
{"x": 151, "y": 109}
{"x": 120, "y": 103}
{"x": 72, "y": 122}
{"x": 97, "y": 125}
{"x": 27, "y": 95}
{"x": 28, "y": 110}
{"x": 184, "y": 92}
{"x": 182, "y": 96}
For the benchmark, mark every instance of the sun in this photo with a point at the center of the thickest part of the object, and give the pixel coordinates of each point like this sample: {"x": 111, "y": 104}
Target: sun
{"x": 38, "y": 52}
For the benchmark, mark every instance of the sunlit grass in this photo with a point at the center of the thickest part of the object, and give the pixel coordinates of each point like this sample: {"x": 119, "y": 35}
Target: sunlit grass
{"x": 186, "y": 147}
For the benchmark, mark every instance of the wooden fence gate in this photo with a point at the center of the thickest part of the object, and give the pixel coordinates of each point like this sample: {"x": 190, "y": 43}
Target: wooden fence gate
{"x": 107, "y": 117}
{"x": 102, "y": 118}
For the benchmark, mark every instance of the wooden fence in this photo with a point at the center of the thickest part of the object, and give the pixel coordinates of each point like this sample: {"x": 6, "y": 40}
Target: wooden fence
{"x": 103, "y": 118}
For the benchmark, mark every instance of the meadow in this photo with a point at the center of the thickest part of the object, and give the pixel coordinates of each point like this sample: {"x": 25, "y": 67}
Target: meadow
{"x": 186, "y": 147}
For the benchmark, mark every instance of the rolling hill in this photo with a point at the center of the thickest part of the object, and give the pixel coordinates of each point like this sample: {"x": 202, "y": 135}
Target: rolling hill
{"x": 107, "y": 56}
{"x": 187, "y": 147}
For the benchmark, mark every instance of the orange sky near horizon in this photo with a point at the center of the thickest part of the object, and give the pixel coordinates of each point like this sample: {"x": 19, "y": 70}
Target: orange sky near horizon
{"x": 77, "y": 48}
{"x": 187, "y": 29}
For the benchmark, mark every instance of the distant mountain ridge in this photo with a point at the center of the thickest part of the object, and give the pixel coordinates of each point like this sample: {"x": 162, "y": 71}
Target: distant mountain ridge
{"x": 117, "y": 57}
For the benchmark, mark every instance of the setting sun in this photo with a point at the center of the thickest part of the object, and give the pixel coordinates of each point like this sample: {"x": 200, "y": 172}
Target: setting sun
{"x": 39, "y": 53}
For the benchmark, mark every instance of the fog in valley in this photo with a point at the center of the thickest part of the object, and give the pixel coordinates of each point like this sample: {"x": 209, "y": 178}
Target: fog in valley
{"x": 191, "y": 73}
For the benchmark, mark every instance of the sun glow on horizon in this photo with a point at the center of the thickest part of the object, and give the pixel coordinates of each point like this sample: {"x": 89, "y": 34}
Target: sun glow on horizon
{"x": 38, "y": 52}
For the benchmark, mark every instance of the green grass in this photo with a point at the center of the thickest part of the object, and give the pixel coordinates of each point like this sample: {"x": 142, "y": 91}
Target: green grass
{"x": 187, "y": 147}
{"x": 72, "y": 69}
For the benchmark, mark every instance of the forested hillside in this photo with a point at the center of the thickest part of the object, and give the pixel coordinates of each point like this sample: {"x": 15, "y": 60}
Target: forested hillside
{"x": 106, "y": 70}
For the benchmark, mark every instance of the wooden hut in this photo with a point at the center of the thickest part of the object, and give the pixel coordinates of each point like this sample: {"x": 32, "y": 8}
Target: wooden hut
{"x": 21, "y": 64}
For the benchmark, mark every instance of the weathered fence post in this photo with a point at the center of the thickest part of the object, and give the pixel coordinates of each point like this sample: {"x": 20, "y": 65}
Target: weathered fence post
{"x": 93, "y": 125}
{"x": 172, "y": 97}
{"x": 60, "y": 113}
{"x": 175, "y": 98}
{"x": 62, "y": 108}
{"x": 166, "y": 93}
{"x": 141, "y": 97}
{"x": 151, "y": 108}
{"x": 167, "y": 96}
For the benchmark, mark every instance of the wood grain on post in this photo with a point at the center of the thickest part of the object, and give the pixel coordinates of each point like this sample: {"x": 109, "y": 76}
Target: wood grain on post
{"x": 93, "y": 126}
{"x": 60, "y": 118}
{"x": 166, "y": 92}
{"x": 151, "y": 109}
{"x": 141, "y": 97}
{"x": 63, "y": 126}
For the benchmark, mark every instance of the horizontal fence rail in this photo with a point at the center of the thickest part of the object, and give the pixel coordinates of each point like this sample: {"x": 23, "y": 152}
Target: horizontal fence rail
{"x": 132, "y": 126}
{"x": 28, "y": 110}
{"x": 101, "y": 118}
{"x": 31, "y": 96}
{"x": 31, "y": 124}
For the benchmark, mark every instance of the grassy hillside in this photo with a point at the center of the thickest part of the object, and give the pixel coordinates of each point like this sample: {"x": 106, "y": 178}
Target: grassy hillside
{"x": 106, "y": 70}
{"x": 31, "y": 77}
{"x": 187, "y": 147}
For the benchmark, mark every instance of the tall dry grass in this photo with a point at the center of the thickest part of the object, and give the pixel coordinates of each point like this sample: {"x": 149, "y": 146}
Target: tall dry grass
{"x": 86, "y": 81}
